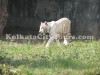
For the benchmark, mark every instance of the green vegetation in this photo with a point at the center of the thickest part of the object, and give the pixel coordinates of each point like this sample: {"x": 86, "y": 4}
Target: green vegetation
{"x": 25, "y": 58}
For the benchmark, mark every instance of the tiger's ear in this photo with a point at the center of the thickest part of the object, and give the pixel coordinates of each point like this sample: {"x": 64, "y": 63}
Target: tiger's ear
{"x": 46, "y": 23}
{"x": 41, "y": 22}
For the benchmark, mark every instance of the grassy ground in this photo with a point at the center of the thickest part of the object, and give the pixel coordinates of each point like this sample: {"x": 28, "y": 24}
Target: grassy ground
{"x": 25, "y": 58}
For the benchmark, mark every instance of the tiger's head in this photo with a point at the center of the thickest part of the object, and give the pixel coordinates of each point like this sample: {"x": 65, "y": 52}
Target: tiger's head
{"x": 44, "y": 28}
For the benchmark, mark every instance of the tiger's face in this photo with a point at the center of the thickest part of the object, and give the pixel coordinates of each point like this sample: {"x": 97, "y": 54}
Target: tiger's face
{"x": 43, "y": 28}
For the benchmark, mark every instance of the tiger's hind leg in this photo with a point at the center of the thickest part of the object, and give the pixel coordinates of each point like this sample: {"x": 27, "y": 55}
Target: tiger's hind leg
{"x": 65, "y": 41}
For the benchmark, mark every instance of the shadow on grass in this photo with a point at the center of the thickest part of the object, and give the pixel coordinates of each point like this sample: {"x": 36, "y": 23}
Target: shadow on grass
{"x": 45, "y": 63}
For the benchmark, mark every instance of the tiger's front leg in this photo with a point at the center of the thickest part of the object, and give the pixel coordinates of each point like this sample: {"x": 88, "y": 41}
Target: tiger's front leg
{"x": 49, "y": 41}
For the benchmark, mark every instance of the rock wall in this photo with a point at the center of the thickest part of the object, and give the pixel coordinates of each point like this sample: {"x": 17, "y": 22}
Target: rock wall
{"x": 27, "y": 14}
{"x": 3, "y": 15}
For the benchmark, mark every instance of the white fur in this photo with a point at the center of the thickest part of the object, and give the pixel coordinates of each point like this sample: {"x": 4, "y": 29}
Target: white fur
{"x": 56, "y": 29}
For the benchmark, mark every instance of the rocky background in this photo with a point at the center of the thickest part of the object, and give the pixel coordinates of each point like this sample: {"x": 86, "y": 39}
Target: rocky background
{"x": 25, "y": 15}
{"x": 3, "y": 15}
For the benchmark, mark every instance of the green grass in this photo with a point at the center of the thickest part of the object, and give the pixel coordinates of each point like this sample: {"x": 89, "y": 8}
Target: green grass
{"x": 26, "y": 58}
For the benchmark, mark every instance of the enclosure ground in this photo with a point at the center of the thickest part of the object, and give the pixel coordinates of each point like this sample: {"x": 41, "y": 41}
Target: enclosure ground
{"x": 27, "y": 57}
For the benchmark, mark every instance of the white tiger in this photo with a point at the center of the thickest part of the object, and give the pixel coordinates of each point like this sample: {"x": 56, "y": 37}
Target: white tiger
{"x": 56, "y": 29}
